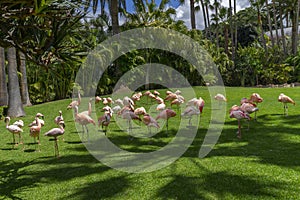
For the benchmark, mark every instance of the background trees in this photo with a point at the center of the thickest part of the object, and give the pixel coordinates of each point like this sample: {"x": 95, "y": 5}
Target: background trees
{"x": 52, "y": 38}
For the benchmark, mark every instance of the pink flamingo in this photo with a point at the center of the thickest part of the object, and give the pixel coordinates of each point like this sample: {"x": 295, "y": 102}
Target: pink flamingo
{"x": 59, "y": 118}
{"x": 39, "y": 116}
{"x": 189, "y": 112}
{"x": 285, "y": 100}
{"x": 150, "y": 122}
{"x": 130, "y": 115}
{"x": 238, "y": 114}
{"x": 14, "y": 129}
{"x": 83, "y": 120}
{"x": 55, "y": 132}
{"x": 35, "y": 131}
{"x": 75, "y": 102}
{"x": 104, "y": 120}
{"x": 166, "y": 114}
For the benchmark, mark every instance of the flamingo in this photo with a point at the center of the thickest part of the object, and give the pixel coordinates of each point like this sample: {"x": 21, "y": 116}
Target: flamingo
{"x": 75, "y": 102}
{"x": 42, "y": 122}
{"x": 220, "y": 97}
{"x": 89, "y": 111}
{"x": 98, "y": 99}
{"x": 189, "y": 112}
{"x": 59, "y": 118}
{"x": 35, "y": 131}
{"x": 55, "y": 132}
{"x": 166, "y": 114}
{"x": 285, "y": 100}
{"x": 161, "y": 106}
{"x": 199, "y": 103}
{"x": 105, "y": 120}
{"x": 156, "y": 93}
{"x": 239, "y": 114}
{"x": 150, "y": 122}
{"x": 249, "y": 108}
{"x": 83, "y": 120}
{"x": 130, "y": 115}
{"x": 14, "y": 129}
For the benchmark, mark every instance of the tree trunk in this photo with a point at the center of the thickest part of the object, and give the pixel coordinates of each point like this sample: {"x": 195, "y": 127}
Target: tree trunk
{"x": 208, "y": 20}
{"x": 192, "y": 10}
{"x": 275, "y": 22}
{"x": 217, "y": 22}
{"x": 235, "y": 25}
{"x": 15, "y": 106}
{"x": 270, "y": 23}
{"x": 3, "y": 84}
{"x": 204, "y": 16}
{"x": 114, "y": 12}
{"x": 295, "y": 21}
{"x": 231, "y": 31}
{"x": 23, "y": 81}
{"x": 282, "y": 31}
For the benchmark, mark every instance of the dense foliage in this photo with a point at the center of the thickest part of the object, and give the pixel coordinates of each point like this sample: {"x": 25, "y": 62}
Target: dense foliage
{"x": 56, "y": 36}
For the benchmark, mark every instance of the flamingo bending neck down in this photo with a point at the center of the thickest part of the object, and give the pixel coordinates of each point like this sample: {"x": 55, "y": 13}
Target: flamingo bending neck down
{"x": 285, "y": 100}
{"x": 166, "y": 114}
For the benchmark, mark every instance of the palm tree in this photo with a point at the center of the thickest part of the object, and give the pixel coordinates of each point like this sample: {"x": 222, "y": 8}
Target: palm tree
{"x": 282, "y": 30}
{"x": 3, "y": 84}
{"x": 295, "y": 21}
{"x": 23, "y": 81}
{"x": 192, "y": 14}
{"x": 15, "y": 105}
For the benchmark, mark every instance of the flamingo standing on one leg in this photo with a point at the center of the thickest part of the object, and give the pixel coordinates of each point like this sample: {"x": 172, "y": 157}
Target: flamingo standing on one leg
{"x": 189, "y": 112}
{"x": 220, "y": 98}
{"x": 130, "y": 115}
{"x": 55, "y": 132}
{"x": 14, "y": 129}
{"x": 166, "y": 114}
{"x": 238, "y": 114}
{"x": 149, "y": 122}
{"x": 83, "y": 120}
{"x": 285, "y": 100}
{"x": 249, "y": 108}
{"x": 35, "y": 131}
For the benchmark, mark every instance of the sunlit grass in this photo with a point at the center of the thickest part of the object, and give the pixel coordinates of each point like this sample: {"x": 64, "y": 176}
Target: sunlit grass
{"x": 264, "y": 164}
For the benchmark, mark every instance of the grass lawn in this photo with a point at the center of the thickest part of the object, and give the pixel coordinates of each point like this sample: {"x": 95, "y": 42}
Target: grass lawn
{"x": 264, "y": 164}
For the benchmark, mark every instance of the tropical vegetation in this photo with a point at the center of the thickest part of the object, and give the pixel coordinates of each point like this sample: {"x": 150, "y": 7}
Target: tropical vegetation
{"x": 45, "y": 42}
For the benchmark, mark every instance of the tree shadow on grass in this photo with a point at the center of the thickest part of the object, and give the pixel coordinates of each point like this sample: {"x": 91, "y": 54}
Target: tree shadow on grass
{"x": 217, "y": 185}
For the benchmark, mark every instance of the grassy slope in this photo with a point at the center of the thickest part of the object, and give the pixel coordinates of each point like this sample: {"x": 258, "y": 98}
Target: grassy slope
{"x": 264, "y": 164}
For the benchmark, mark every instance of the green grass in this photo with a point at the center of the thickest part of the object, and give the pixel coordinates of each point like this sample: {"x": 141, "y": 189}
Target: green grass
{"x": 264, "y": 164}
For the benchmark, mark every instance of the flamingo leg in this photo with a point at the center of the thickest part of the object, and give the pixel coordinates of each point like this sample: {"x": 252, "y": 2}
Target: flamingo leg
{"x": 14, "y": 140}
{"x": 167, "y": 125}
{"x": 190, "y": 123}
{"x": 56, "y": 148}
{"x": 87, "y": 134}
{"x": 239, "y": 130}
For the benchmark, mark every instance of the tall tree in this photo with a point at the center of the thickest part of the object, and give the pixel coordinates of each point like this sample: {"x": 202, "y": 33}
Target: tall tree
{"x": 282, "y": 30}
{"x": 192, "y": 14}
{"x": 23, "y": 79}
{"x": 15, "y": 105}
{"x": 295, "y": 25}
{"x": 3, "y": 84}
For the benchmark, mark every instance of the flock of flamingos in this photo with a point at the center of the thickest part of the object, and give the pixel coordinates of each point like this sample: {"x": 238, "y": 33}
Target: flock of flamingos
{"x": 125, "y": 108}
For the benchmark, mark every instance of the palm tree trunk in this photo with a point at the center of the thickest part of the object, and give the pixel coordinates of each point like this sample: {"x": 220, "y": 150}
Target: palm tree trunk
{"x": 207, "y": 17}
{"x": 282, "y": 31}
{"x": 217, "y": 21}
{"x": 192, "y": 10}
{"x": 15, "y": 105}
{"x": 275, "y": 22}
{"x": 231, "y": 31}
{"x": 23, "y": 82}
{"x": 270, "y": 23}
{"x": 114, "y": 12}
{"x": 235, "y": 25}
{"x": 3, "y": 84}
{"x": 295, "y": 20}
{"x": 204, "y": 16}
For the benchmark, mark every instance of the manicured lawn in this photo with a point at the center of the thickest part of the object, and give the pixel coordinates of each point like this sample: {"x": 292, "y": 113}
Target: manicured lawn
{"x": 264, "y": 164}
